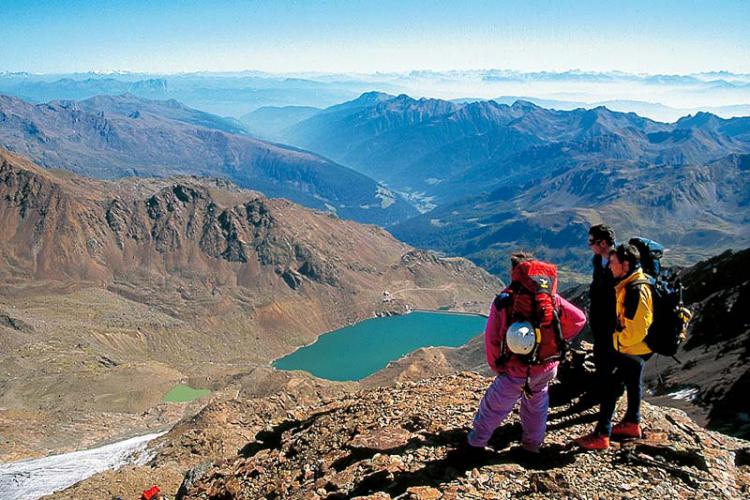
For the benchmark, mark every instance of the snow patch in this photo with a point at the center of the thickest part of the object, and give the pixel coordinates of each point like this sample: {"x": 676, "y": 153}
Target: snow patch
{"x": 387, "y": 198}
{"x": 688, "y": 394}
{"x": 31, "y": 479}
{"x": 421, "y": 202}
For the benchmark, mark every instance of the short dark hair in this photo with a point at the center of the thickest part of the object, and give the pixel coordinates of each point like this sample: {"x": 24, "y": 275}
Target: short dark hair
{"x": 518, "y": 257}
{"x": 603, "y": 232}
{"x": 628, "y": 253}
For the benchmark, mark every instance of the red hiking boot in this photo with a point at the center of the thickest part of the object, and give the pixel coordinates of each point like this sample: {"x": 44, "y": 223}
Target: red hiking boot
{"x": 593, "y": 441}
{"x": 627, "y": 430}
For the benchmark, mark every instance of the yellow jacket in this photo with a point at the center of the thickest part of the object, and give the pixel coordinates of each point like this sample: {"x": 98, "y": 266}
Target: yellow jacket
{"x": 634, "y": 315}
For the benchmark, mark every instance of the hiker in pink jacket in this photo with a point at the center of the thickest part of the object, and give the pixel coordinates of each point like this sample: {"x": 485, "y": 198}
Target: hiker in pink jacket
{"x": 516, "y": 376}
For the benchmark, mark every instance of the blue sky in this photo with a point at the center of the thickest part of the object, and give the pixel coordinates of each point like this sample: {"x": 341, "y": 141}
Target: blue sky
{"x": 357, "y": 36}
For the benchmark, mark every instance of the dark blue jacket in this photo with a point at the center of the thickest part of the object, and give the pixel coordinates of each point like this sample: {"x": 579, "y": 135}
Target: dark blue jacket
{"x": 602, "y": 314}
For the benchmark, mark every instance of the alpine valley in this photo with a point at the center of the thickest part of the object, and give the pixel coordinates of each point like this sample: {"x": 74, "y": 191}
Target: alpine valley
{"x": 118, "y": 136}
{"x": 114, "y": 291}
{"x": 493, "y": 177}
{"x": 145, "y": 244}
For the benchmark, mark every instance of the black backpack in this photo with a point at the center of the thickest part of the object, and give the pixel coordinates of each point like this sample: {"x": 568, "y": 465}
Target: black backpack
{"x": 671, "y": 317}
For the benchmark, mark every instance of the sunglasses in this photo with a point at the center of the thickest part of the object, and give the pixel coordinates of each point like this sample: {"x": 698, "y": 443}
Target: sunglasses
{"x": 593, "y": 242}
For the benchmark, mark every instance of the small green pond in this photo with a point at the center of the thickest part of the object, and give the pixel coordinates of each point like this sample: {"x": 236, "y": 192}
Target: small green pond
{"x": 182, "y": 393}
{"x": 354, "y": 352}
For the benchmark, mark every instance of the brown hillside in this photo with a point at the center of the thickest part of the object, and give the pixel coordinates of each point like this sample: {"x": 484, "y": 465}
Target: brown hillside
{"x": 127, "y": 287}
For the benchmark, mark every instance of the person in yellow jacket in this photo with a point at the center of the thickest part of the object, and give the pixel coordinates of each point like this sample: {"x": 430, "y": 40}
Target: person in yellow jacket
{"x": 634, "y": 310}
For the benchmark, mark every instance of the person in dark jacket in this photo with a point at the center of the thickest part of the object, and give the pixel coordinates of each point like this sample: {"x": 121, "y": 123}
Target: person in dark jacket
{"x": 602, "y": 309}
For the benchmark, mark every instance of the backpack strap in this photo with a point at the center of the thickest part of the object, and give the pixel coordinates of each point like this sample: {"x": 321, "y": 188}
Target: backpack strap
{"x": 503, "y": 301}
{"x": 640, "y": 281}
{"x": 562, "y": 344}
{"x": 633, "y": 297}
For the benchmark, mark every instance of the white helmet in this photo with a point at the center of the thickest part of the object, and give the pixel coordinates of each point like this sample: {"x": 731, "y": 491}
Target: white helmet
{"x": 520, "y": 338}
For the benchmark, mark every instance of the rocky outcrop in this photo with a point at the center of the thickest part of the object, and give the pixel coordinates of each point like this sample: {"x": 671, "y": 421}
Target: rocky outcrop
{"x": 404, "y": 442}
{"x": 176, "y": 218}
{"x": 307, "y": 438}
{"x": 9, "y": 321}
{"x": 712, "y": 372}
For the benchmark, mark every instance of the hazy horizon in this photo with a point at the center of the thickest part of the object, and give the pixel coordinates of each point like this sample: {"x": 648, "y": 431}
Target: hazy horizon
{"x": 661, "y": 97}
{"x": 713, "y": 74}
{"x": 682, "y": 55}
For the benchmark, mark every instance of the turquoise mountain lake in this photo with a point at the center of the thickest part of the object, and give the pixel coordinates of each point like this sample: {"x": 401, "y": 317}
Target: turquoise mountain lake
{"x": 354, "y": 352}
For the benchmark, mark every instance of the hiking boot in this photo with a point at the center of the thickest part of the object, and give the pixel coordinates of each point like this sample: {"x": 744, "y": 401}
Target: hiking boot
{"x": 593, "y": 441}
{"x": 627, "y": 430}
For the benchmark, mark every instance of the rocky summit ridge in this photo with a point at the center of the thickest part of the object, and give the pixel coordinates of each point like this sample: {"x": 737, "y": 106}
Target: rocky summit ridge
{"x": 401, "y": 442}
{"x": 405, "y": 441}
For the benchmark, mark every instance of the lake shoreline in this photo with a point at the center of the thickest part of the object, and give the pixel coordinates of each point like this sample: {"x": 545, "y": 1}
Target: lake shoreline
{"x": 434, "y": 311}
{"x": 357, "y": 351}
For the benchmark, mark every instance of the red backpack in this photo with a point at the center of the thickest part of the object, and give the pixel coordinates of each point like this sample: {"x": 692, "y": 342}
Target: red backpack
{"x": 532, "y": 297}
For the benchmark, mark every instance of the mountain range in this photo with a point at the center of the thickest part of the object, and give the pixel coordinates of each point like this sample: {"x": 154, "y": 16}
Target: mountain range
{"x": 652, "y": 110}
{"x": 446, "y": 150}
{"x": 225, "y": 94}
{"x": 660, "y": 97}
{"x": 116, "y": 136}
{"x": 495, "y": 177}
{"x": 695, "y": 210}
{"x": 118, "y": 288}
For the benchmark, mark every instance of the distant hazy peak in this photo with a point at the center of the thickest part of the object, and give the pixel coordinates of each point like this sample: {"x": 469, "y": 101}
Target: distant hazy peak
{"x": 369, "y": 99}
{"x": 699, "y": 120}
{"x": 526, "y": 105}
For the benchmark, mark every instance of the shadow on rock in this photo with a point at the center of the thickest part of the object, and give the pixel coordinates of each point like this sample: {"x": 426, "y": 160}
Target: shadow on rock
{"x": 358, "y": 454}
{"x": 563, "y": 422}
{"x": 460, "y": 459}
{"x": 271, "y": 439}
